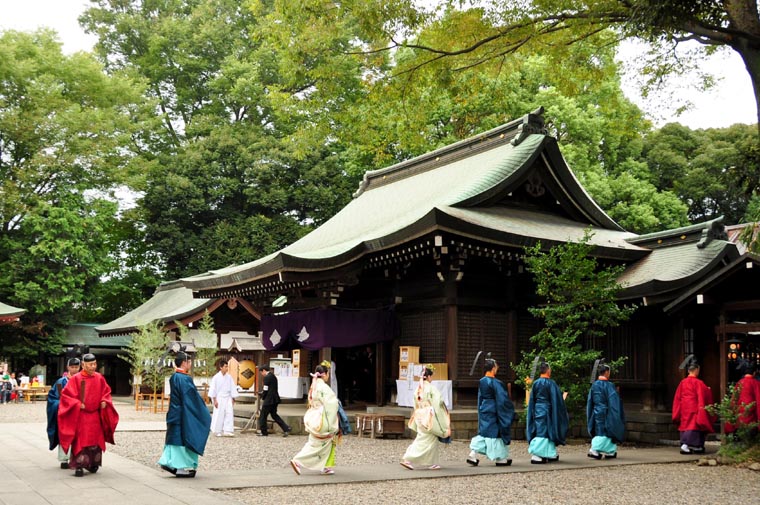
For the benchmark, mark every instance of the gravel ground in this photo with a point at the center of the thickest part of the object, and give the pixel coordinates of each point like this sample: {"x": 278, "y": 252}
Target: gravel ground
{"x": 641, "y": 484}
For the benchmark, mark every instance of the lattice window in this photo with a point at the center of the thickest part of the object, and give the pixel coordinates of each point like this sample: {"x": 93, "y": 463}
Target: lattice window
{"x": 426, "y": 330}
{"x": 621, "y": 341}
{"x": 688, "y": 341}
{"x": 527, "y": 326}
{"x": 486, "y": 331}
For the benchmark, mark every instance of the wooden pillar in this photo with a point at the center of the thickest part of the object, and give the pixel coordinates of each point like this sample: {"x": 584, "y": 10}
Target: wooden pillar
{"x": 723, "y": 350}
{"x": 380, "y": 366}
{"x": 452, "y": 330}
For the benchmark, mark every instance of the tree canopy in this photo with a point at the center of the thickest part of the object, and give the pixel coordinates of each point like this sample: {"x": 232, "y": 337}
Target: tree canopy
{"x": 69, "y": 134}
{"x": 541, "y": 25}
{"x": 246, "y": 161}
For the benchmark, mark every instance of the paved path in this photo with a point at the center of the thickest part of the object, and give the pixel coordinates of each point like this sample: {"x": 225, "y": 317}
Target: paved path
{"x": 30, "y": 475}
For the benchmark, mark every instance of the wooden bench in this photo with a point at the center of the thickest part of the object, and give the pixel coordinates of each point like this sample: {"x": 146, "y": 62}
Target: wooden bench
{"x": 34, "y": 393}
{"x": 380, "y": 425}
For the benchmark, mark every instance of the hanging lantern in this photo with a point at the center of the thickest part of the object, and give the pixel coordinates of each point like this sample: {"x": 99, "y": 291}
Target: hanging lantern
{"x": 734, "y": 348}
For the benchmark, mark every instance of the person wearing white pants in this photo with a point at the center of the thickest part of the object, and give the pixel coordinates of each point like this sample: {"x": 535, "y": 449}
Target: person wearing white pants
{"x": 223, "y": 392}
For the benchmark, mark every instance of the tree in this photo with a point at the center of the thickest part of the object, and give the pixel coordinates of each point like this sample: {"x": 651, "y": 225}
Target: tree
{"x": 247, "y": 159}
{"x": 144, "y": 355}
{"x": 598, "y": 129}
{"x": 580, "y": 301}
{"x": 713, "y": 171}
{"x": 206, "y": 347}
{"x": 69, "y": 134}
{"x": 534, "y": 26}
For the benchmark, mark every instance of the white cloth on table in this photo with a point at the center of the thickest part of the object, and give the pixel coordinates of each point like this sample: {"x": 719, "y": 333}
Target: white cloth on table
{"x": 405, "y": 392}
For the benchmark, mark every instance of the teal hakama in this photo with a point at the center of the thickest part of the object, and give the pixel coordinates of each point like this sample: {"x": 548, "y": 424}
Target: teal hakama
{"x": 605, "y": 417}
{"x": 547, "y": 420}
{"x": 495, "y": 415}
{"x": 187, "y": 425}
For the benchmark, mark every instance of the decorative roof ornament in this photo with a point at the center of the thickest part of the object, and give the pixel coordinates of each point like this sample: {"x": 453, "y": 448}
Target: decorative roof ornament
{"x": 532, "y": 122}
{"x": 716, "y": 231}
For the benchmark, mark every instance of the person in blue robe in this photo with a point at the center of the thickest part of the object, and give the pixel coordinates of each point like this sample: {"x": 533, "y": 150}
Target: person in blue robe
{"x": 547, "y": 419}
{"x": 495, "y": 415}
{"x": 187, "y": 422}
{"x": 605, "y": 416}
{"x": 53, "y": 402}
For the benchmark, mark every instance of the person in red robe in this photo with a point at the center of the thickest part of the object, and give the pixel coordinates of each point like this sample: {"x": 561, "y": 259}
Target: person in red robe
{"x": 694, "y": 422}
{"x": 87, "y": 418}
{"x": 749, "y": 397}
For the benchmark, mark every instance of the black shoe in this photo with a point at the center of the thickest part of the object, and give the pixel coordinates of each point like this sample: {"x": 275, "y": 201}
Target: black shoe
{"x": 506, "y": 463}
{"x": 286, "y": 432}
{"x": 553, "y": 460}
{"x": 64, "y": 466}
{"x": 685, "y": 452}
{"x": 473, "y": 462}
{"x": 93, "y": 469}
{"x": 594, "y": 455}
{"x": 609, "y": 456}
{"x": 541, "y": 461}
{"x": 169, "y": 469}
{"x": 697, "y": 450}
{"x": 79, "y": 472}
{"x": 184, "y": 473}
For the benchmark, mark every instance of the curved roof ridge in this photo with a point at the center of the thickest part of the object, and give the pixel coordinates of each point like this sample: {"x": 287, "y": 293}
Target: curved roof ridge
{"x": 675, "y": 232}
{"x": 513, "y": 131}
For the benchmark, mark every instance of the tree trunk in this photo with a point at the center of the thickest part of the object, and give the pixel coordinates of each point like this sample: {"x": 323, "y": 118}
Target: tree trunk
{"x": 751, "y": 57}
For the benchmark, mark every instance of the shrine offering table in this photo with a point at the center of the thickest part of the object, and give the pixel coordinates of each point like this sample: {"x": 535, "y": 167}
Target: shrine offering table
{"x": 405, "y": 392}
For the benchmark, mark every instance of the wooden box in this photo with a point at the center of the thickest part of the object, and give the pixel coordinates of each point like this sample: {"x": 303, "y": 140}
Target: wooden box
{"x": 300, "y": 365}
{"x": 441, "y": 372}
{"x": 408, "y": 353}
{"x": 403, "y": 371}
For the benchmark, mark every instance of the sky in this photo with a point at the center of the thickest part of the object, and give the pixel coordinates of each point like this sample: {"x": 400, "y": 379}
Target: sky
{"x": 731, "y": 101}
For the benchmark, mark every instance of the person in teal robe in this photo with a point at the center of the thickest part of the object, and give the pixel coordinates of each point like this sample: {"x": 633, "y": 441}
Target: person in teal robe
{"x": 187, "y": 422}
{"x": 53, "y": 402}
{"x": 547, "y": 419}
{"x": 495, "y": 415}
{"x": 605, "y": 416}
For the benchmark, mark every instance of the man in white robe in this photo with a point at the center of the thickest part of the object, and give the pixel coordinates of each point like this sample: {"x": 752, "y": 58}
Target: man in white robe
{"x": 223, "y": 392}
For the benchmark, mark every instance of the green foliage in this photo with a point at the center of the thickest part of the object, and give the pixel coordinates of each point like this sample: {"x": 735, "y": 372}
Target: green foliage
{"x": 540, "y": 26}
{"x": 205, "y": 355}
{"x": 714, "y": 171}
{"x": 580, "y": 301}
{"x": 247, "y": 159}
{"x": 144, "y": 355}
{"x": 69, "y": 135}
{"x": 735, "y": 445}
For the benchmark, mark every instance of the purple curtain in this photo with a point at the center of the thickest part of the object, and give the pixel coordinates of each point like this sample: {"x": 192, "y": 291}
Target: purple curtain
{"x": 317, "y": 328}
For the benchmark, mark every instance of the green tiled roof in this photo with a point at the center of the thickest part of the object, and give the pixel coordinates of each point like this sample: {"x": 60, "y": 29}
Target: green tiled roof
{"x": 736, "y": 267}
{"x": 673, "y": 267}
{"x": 452, "y": 187}
{"x": 85, "y": 333}
{"x": 171, "y": 301}
{"x": 10, "y": 311}
{"x": 467, "y": 189}
{"x": 548, "y": 228}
